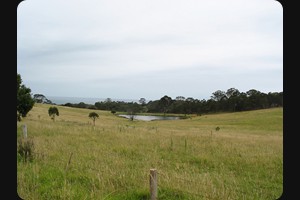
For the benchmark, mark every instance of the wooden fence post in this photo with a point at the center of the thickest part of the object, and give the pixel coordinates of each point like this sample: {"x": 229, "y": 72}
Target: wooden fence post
{"x": 24, "y": 127}
{"x": 153, "y": 184}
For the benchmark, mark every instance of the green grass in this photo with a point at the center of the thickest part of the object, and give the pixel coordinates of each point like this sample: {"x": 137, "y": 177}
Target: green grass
{"x": 74, "y": 160}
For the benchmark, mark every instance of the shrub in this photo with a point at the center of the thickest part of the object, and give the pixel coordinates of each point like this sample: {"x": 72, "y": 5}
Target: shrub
{"x": 52, "y": 111}
{"x": 26, "y": 148}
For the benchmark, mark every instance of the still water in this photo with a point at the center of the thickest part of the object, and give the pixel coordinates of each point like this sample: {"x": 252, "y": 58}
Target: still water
{"x": 150, "y": 117}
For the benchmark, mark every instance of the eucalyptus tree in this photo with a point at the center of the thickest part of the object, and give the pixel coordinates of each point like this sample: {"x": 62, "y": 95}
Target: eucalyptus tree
{"x": 53, "y": 111}
{"x": 219, "y": 95}
{"x": 142, "y": 101}
{"x": 165, "y": 102}
{"x": 220, "y": 99}
{"x": 24, "y": 100}
{"x": 93, "y": 116}
{"x": 40, "y": 98}
{"x": 233, "y": 99}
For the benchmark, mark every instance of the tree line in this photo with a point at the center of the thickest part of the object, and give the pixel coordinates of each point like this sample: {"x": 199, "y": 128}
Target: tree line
{"x": 231, "y": 100}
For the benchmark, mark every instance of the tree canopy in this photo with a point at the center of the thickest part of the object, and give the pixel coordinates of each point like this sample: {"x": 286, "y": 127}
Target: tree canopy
{"x": 53, "y": 111}
{"x": 40, "y": 98}
{"x": 93, "y": 116}
{"x": 24, "y": 100}
{"x": 231, "y": 100}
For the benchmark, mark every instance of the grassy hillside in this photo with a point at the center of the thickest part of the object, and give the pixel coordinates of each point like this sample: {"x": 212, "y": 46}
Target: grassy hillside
{"x": 74, "y": 160}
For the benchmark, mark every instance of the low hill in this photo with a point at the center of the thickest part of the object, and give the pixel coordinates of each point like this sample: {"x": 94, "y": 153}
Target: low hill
{"x": 218, "y": 156}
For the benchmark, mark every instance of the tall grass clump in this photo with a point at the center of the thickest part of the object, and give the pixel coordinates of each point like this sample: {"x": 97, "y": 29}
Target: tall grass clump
{"x": 25, "y": 149}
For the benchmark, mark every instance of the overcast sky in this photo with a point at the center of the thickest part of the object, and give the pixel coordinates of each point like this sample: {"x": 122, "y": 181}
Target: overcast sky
{"x": 132, "y": 49}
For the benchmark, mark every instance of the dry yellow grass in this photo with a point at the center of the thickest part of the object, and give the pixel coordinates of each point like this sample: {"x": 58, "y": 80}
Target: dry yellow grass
{"x": 243, "y": 160}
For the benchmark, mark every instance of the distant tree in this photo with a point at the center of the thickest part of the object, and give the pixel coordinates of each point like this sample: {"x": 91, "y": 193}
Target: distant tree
{"x": 108, "y": 100}
{"x": 131, "y": 115}
{"x": 109, "y": 104}
{"x": 180, "y": 98}
{"x": 40, "y": 98}
{"x": 275, "y": 99}
{"x": 220, "y": 99}
{"x": 153, "y": 106}
{"x": 257, "y": 99}
{"x": 143, "y": 105}
{"x": 93, "y": 116}
{"x": 132, "y": 109}
{"x": 165, "y": 102}
{"x": 188, "y": 105}
{"x": 233, "y": 96}
{"x": 24, "y": 100}
{"x": 52, "y": 111}
{"x": 232, "y": 92}
{"x": 219, "y": 95}
{"x": 68, "y": 104}
{"x": 142, "y": 101}
{"x": 81, "y": 105}
{"x": 190, "y": 99}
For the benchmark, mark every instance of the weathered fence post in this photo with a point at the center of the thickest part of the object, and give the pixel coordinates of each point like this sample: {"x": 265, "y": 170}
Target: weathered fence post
{"x": 24, "y": 128}
{"x": 153, "y": 184}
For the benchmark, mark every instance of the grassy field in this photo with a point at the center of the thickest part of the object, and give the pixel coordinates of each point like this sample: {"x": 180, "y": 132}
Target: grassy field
{"x": 74, "y": 160}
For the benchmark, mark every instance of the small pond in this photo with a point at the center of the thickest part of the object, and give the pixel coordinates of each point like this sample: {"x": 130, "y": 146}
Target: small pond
{"x": 150, "y": 117}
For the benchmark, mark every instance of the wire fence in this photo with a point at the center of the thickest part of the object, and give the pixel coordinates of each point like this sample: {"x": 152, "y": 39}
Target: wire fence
{"x": 182, "y": 181}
